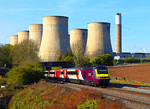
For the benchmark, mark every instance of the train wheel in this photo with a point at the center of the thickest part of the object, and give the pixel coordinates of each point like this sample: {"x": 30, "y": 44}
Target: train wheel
{"x": 48, "y": 79}
{"x": 103, "y": 86}
{"x": 82, "y": 82}
{"x": 88, "y": 83}
{"x": 94, "y": 84}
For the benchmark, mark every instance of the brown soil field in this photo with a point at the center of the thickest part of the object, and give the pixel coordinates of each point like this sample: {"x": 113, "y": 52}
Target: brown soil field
{"x": 132, "y": 72}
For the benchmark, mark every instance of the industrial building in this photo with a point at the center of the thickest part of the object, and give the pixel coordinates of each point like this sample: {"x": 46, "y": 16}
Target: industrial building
{"x": 35, "y": 33}
{"x": 124, "y": 55}
{"x": 118, "y": 37}
{"x": 78, "y": 39}
{"x": 23, "y": 35}
{"x": 98, "y": 41}
{"x": 55, "y": 39}
{"x": 14, "y": 39}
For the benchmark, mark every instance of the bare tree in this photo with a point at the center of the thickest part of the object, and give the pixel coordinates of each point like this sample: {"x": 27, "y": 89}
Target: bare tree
{"x": 25, "y": 52}
{"x": 78, "y": 51}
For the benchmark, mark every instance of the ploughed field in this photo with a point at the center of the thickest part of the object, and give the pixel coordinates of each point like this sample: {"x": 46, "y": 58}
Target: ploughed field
{"x": 132, "y": 72}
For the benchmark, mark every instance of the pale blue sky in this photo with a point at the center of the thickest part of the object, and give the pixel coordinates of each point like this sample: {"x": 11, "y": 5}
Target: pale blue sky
{"x": 16, "y": 15}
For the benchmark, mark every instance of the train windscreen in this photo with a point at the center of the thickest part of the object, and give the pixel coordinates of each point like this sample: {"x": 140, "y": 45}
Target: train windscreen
{"x": 102, "y": 71}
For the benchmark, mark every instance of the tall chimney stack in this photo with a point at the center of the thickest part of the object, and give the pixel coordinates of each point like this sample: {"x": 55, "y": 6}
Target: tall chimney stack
{"x": 118, "y": 34}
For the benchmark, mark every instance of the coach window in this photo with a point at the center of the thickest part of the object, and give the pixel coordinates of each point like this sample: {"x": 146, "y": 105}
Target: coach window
{"x": 51, "y": 72}
{"x": 72, "y": 72}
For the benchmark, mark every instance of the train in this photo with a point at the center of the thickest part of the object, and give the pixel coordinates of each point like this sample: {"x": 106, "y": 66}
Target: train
{"x": 94, "y": 76}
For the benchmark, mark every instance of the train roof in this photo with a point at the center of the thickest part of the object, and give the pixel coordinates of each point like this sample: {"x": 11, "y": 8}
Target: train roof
{"x": 81, "y": 68}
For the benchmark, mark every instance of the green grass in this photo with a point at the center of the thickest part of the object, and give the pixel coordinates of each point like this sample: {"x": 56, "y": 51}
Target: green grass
{"x": 124, "y": 81}
{"x": 89, "y": 104}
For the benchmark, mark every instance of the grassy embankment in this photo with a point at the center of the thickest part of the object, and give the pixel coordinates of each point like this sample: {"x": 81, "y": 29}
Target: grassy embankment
{"x": 126, "y": 81}
{"x": 47, "y": 95}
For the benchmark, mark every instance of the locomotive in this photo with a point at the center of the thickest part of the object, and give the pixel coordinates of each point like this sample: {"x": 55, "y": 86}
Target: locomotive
{"x": 95, "y": 76}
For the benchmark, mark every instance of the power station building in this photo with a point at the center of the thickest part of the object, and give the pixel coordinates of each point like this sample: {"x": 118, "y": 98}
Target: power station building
{"x": 14, "y": 39}
{"x": 78, "y": 39}
{"x": 23, "y": 35}
{"x": 98, "y": 41}
{"x": 55, "y": 39}
{"x": 118, "y": 37}
{"x": 35, "y": 33}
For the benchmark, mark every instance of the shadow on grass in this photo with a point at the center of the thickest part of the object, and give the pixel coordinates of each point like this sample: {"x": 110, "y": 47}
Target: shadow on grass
{"x": 120, "y": 85}
{"x": 7, "y": 94}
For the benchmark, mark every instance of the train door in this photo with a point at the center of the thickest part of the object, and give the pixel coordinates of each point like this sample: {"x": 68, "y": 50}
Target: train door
{"x": 84, "y": 74}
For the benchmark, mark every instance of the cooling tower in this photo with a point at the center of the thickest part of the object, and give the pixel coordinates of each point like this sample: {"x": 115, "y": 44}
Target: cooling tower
{"x": 55, "y": 37}
{"x": 78, "y": 39}
{"x": 14, "y": 39}
{"x": 98, "y": 41}
{"x": 118, "y": 40}
{"x": 35, "y": 33}
{"x": 23, "y": 35}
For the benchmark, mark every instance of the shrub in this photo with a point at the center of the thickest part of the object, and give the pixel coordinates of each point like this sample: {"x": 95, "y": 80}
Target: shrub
{"x": 105, "y": 59}
{"x": 68, "y": 59}
{"x": 120, "y": 61}
{"x": 132, "y": 60}
{"x": 89, "y": 104}
{"x": 25, "y": 74}
{"x": 143, "y": 60}
{"x": 2, "y": 80}
{"x": 148, "y": 59}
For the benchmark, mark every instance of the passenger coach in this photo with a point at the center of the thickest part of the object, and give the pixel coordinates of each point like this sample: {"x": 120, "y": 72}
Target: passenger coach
{"x": 96, "y": 76}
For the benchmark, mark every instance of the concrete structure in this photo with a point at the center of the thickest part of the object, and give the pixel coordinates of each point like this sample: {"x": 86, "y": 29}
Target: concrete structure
{"x": 35, "y": 33}
{"x": 124, "y": 55}
{"x": 55, "y": 38}
{"x": 23, "y": 35}
{"x": 14, "y": 39}
{"x": 98, "y": 41}
{"x": 78, "y": 39}
{"x": 118, "y": 38}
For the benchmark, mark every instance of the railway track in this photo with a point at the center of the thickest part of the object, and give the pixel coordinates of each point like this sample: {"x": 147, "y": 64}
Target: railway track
{"x": 139, "y": 96}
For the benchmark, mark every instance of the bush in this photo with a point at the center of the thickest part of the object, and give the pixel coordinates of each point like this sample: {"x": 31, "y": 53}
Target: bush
{"x": 68, "y": 59}
{"x": 105, "y": 59}
{"x": 132, "y": 60}
{"x": 25, "y": 74}
{"x": 148, "y": 59}
{"x": 2, "y": 80}
{"x": 120, "y": 61}
{"x": 89, "y": 104}
{"x": 143, "y": 60}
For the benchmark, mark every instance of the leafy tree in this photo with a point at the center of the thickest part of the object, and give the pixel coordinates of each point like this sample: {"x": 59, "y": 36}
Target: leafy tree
{"x": 68, "y": 53}
{"x": 67, "y": 57}
{"x": 6, "y": 52}
{"x": 25, "y": 74}
{"x": 105, "y": 59}
{"x": 25, "y": 52}
{"x": 5, "y": 56}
